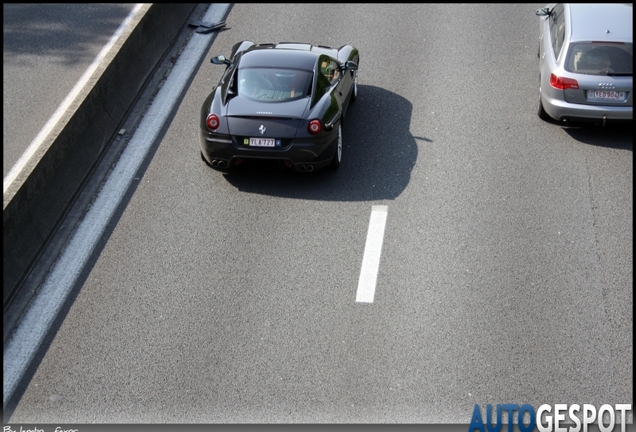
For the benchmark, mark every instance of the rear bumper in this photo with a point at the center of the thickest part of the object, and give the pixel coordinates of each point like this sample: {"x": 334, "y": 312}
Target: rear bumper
{"x": 222, "y": 152}
{"x": 562, "y": 111}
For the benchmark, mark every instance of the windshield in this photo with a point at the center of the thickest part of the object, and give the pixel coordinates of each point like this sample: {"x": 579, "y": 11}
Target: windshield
{"x": 600, "y": 58}
{"x": 273, "y": 85}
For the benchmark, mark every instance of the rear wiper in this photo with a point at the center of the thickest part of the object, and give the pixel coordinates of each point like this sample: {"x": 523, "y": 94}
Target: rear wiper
{"x": 620, "y": 74}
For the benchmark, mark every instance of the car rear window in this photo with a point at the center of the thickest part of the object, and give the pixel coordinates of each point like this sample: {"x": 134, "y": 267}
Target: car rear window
{"x": 600, "y": 58}
{"x": 273, "y": 85}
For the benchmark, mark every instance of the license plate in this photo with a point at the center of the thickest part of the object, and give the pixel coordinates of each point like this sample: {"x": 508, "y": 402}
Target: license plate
{"x": 262, "y": 142}
{"x": 607, "y": 95}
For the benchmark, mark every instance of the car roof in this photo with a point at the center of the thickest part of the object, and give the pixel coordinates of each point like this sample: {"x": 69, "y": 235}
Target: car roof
{"x": 292, "y": 55}
{"x": 601, "y": 22}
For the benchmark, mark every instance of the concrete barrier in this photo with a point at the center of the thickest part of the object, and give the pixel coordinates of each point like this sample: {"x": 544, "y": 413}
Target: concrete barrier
{"x": 41, "y": 195}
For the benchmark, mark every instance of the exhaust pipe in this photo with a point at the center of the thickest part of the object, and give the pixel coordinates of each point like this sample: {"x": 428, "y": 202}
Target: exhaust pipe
{"x": 604, "y": 120}
{"x": 218, "y": 163}
{"x": 310, "y": 168}
{"x": 302, "y": 168}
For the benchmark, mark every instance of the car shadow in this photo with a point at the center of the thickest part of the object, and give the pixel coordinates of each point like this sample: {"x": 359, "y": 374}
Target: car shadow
{"x": 378, "y": 157}
{"x": 616, "y": 136}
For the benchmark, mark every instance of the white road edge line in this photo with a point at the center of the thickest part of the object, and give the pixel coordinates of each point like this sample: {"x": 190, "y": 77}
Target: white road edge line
{"x": 66, "y": 103}
{"x": 372, "y": 252}
{"x": 21, "y": 348}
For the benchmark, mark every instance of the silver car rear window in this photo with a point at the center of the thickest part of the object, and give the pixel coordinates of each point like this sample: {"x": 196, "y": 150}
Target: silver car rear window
{"x": 600, "y": 58}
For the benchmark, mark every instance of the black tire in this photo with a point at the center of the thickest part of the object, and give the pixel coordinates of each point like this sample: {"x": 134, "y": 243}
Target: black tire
{"x": 337, "y": 157}
{"x": 541, "y": 112}
{"x": 354, "y": 92}
{"x": 205, "y": 160}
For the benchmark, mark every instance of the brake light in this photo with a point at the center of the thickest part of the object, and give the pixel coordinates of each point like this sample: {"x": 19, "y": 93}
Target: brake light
{"x": 314, "y": 126}
{"x": 212, "y": 121}
{"x": 562, "y": 83}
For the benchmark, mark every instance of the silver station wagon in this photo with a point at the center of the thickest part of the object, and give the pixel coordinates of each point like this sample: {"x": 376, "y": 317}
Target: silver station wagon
{"x": 586, "y": 62}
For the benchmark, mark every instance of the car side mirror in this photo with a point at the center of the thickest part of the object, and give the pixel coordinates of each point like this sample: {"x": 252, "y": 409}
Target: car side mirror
{"x": 220, "y": 59}
{"x": 543, "y": 11}
{"x": 351, "y": 65}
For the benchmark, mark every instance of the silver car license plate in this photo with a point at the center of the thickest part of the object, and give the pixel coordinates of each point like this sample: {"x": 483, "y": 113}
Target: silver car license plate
{"x": 608, "y": 95}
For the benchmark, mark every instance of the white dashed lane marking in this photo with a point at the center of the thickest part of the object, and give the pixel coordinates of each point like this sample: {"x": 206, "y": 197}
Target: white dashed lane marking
{"x": 372, "y": 252}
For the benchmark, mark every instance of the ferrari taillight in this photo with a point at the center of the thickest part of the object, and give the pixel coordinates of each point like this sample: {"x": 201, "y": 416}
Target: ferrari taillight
{"x": 314, "y": 126}
{"x": 212, "y": 121}
{"x": 561, "y": 83}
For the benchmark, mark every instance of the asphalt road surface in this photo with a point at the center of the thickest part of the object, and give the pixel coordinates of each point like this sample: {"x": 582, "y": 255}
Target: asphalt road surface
{"x": 506, "y": 270}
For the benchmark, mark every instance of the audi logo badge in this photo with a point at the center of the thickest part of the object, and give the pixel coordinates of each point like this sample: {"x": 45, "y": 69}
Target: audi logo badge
{"x": 262, "y": 129}
{"x": 607, "y": 86}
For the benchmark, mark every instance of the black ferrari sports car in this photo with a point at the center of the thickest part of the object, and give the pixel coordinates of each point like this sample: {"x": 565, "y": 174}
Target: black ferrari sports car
{"x": 284, "y": 102}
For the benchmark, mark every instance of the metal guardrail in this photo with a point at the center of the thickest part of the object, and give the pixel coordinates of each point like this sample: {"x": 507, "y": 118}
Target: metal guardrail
{"x": 42, "y": 194}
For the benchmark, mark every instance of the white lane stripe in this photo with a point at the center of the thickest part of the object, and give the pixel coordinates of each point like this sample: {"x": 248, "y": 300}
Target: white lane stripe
{"x": 34, "y": 326}
{"x": 372, "y": 252}
{"x": 66, "y": 103}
